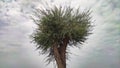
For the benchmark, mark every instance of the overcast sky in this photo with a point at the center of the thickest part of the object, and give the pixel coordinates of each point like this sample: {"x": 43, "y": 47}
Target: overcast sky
{"x": 101, "y": 50}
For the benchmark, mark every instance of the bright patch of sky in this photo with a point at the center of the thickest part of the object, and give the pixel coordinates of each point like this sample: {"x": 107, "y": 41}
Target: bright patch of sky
{"x": 101, "y": 50}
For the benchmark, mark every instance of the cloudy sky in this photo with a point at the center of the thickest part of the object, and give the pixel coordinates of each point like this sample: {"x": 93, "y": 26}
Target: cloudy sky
{"x": 101, "y": 50}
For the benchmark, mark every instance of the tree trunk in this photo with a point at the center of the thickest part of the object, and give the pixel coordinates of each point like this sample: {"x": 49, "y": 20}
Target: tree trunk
{"x": 60, "y": 53}
{"x": 57, "y": 56}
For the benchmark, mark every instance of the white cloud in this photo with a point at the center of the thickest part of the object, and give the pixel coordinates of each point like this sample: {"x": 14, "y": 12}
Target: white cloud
{"x": 101, "y": 45}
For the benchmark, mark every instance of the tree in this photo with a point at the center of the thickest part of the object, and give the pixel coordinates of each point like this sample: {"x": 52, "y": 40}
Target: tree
{"x": 58, "y": 28}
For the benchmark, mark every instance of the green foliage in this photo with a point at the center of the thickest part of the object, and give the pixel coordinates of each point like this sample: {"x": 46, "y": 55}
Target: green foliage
{"x": 55, "y": 24}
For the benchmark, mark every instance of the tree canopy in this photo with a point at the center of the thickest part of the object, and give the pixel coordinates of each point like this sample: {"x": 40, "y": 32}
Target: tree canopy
{"x": 59, "y": 23}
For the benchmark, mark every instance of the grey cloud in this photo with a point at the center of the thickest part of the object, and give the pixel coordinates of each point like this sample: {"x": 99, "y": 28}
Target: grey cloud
{"x": 3, "y": 23}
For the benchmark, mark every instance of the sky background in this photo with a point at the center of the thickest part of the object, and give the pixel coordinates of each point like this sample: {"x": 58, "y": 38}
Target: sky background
{"x": 101, "y": 50}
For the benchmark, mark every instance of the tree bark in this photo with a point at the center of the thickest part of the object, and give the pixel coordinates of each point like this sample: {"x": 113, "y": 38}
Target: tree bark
{"x": 57, "y": 56}
{"x": 60, "y": 53}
